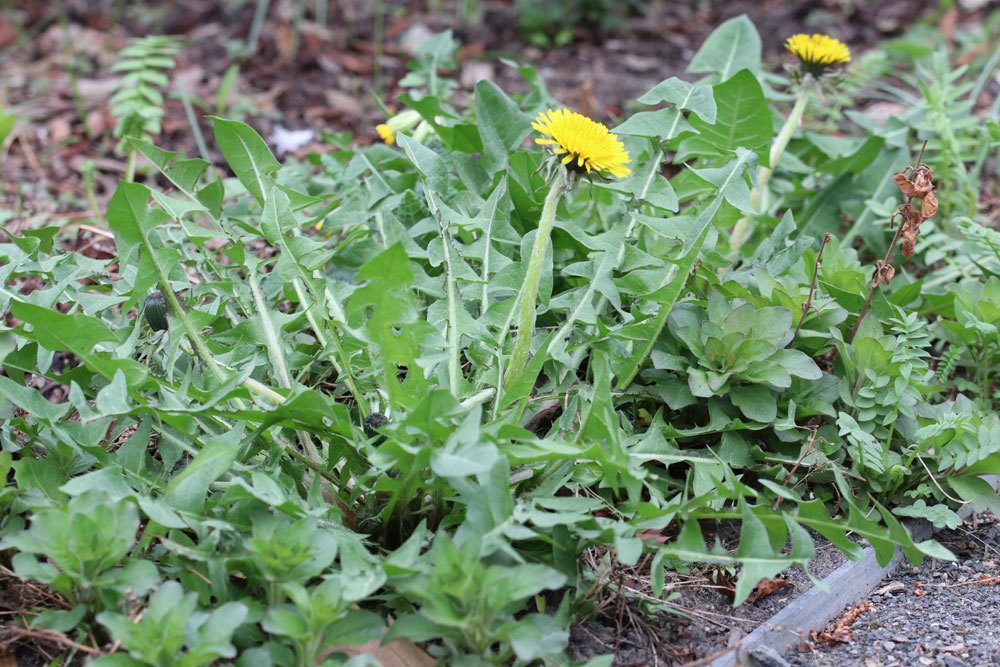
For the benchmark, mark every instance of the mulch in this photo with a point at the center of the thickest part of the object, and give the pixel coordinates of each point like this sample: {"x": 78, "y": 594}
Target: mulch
{"x": 57, "y": 79}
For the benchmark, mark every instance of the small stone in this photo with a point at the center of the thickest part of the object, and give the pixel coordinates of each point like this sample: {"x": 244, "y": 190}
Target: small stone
{"x": 888, "y": 646}
{"x": 765, "y": 656}
{"x": 952, "y": 661}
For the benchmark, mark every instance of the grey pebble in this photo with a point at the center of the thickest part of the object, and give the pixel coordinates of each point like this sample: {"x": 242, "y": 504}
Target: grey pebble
{"x": 765, "y": 656}
{"x": 948, "y": 626}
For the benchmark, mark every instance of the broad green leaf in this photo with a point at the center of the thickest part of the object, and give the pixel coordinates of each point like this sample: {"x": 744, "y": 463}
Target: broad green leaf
{"x": 734, "y": 45}
{"x": 31, "y": 401}
{"x": 756, "y": 402}
{"x": 857, "y": 161}
{"x": 664, "y": 124}
{"x": 187, "y": 489}
{"x": 6, "y": 124}
{"x": 247, "y": 154}
{"x": 939, "y": 514}
{"x": 758, "y": 556}
{"x": 502, "y": 125}
{"x": 698, "y": 98}
{"x": 183, "y": 173}
{"x": 977, "y": 491}
{"x": 78, "y": 334}
{"x": 743, "y": 119}
{"x": 433, "y": 167}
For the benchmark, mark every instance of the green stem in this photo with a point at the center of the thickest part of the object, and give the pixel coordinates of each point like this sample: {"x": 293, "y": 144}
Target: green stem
{"x": 529, "y": 291}
{"x": 338, "y": 359}
{"x": 130, "y": 165}
{"x": 270, "y": 335}
{"x": 199, "y": 138}
{"x": 454, "y": 373}
{"x": 758, "y": 196}
{"x": 197, "y": 342}
{"x": 274, "y": 351}
{"x": 379, "y": 30}
{"x": 260, "y": 13}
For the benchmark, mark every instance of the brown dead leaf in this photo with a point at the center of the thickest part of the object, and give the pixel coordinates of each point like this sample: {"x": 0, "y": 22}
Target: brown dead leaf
{"x": 397, "y": 653}
{"x": 653, "y": 534}
{"x": 588, "y": 103}
{"x": 884, "y": 271}
{"x": 929, "y": 206}
{"x": 909, "y": 239}
{"x": 767, "y": 587}
{"x": 923, "y": 182}
{"x": 911, "y": 228}
{"x": 8, "y": 33}
{"x": 919, "y": 185}
{"x": 904, "y": 184}
{"x": 59, "y": 129}
{"x": 724, "y": 582}
{"x": 541, "y": 422}
{"x": 840, "y": 632}
{"x": 353, "y": 63}
{"x": 947, "y": 24}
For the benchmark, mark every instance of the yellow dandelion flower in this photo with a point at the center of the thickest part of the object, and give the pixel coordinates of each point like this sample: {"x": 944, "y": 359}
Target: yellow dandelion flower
{"x": 384, "y": 131}
{"x": 584, "y": 143}
{"x": 817, "y": 52}
{"x": 401, "y": 122}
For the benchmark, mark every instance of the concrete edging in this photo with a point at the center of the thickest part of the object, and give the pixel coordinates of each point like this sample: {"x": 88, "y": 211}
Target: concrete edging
{"x": 814, "y": 609}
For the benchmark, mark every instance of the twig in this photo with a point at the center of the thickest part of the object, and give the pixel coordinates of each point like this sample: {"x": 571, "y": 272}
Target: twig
{"x": 931, "y": 477}
{"x": 812, "y": 285}
{"x": 809, "y": 443}
{"x": 983, "y": 580}
{"x": 29, "y": 154}
{"x": 888, "y": 256}
{"x": 52, "y": 637}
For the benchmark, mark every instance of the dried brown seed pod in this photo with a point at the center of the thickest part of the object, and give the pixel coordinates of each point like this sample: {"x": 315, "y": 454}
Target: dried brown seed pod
{"x": 884, "y": 272}
{"x": 919, "y": 186}
{"x": 904, "y": 184}
{"x": 929, "y": 206}
{"x": 909, "y": 238}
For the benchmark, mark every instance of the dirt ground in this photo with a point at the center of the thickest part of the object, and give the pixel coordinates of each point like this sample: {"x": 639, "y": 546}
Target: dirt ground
{"x": 55, "y": 60}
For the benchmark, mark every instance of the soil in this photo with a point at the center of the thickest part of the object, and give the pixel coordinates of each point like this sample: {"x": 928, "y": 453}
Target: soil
{"x": 57, "y": 58}
{"x": 941, "y": 614}
{"x": 701, "y": 622}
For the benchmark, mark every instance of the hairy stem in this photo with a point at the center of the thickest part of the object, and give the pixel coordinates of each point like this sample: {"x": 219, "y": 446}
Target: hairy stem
{"x": 529, "y": 290}
{"x": 130, "y": 165}
{"x": 454, "y": 374}
{"x": 758, "y": 196}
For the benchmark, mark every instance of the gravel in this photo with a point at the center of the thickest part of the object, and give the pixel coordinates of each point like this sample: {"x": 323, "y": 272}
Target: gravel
{"x": 935, "y": 615}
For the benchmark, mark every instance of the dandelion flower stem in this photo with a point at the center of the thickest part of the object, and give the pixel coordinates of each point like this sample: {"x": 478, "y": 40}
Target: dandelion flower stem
{"x": 758, "y": 197}
{"x": 529, "y": 290}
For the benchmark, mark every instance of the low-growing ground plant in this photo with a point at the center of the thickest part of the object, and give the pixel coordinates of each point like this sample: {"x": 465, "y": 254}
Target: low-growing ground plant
{"x": 395, "y": 392}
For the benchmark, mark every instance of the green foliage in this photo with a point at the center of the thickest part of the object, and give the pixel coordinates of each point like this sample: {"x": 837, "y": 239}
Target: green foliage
{"x": 312, "y": 435}
{"x": 739, "y": 350}
{"x": 173, "y": 632}
{"x": 554, "y": 23}
{"x": 137, "y": 103}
